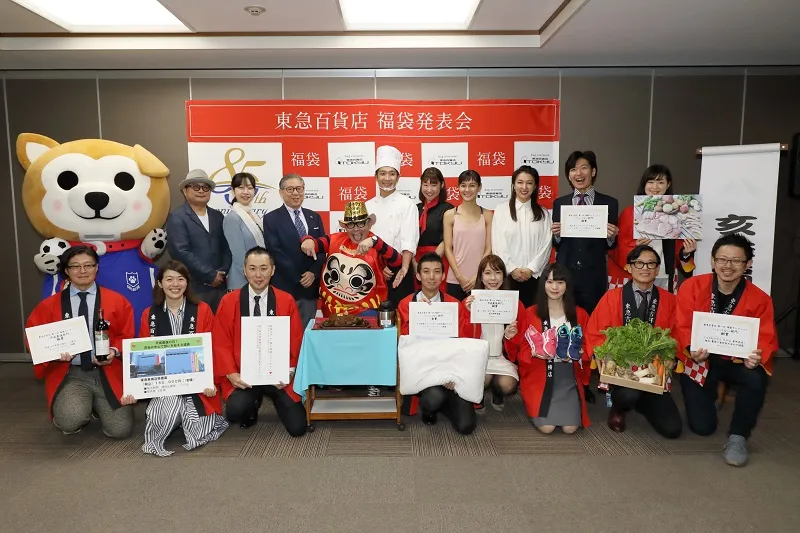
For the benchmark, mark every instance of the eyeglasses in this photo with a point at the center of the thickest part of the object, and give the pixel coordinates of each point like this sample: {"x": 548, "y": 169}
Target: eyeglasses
{"x": 353, "y": 225}
{"x": 292, "y": 190}
{"x": 196, "y": 187}
{"x": 650, "y": 265}
{"x": 87, "y": 267}
{"x": 722, "y": 261}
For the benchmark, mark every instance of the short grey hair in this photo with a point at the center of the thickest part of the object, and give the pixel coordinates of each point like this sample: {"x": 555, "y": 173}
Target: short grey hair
{"x": 288, "y": 177}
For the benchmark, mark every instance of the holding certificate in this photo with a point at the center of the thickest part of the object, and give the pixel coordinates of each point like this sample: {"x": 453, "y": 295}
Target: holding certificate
{"x": 725, "y": 292}
{"x": 77, "y": 385}
{"x": 256, "y": 299}
{"x": 176, "y": 311}
{"x": 488, "y": 302}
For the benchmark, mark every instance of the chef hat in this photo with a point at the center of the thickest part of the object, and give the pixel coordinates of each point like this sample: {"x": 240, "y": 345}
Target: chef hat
{"x": 388, "y": 156}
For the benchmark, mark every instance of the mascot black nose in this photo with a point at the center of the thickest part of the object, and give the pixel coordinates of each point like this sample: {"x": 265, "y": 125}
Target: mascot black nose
{"x": 96, "y": 200}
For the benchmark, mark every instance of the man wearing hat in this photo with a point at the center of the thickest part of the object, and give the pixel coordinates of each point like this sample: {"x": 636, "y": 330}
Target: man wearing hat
{"x": 398, "y": 220}
{"x": 196, "y": 239}
{"x": 353, "y": 280}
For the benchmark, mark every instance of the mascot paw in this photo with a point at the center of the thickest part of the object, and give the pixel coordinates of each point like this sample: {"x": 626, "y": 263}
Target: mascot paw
{"x": 47, "y": 263}
{"x": 154, "y": 243}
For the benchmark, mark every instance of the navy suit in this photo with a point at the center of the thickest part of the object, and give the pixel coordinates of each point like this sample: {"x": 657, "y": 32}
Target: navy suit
{"x": 203, "y": 252}
{"x": 283, "y": 242}
{"x": 587, "y": 258}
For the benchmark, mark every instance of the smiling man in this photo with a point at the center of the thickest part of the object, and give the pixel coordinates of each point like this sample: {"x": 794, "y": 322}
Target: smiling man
{"x": 257, "y": 298}
{"x": 726, "y": 291}
{"x": 197, "y": 240}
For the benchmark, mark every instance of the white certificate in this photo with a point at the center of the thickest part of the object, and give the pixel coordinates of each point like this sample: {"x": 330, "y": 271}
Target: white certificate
{"x": 587, "y": 221}
{"x": 167, "y": 366}
{"x": 48, "y": 341}
{"x": 734, "y": 336}
{"x": 437, "y": 319}
{"x": 494, "y": 307}
{"x": 265, "y": 350}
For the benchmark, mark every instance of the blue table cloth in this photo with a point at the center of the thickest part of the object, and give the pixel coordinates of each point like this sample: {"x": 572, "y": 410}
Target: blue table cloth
{"x": 346, "y": 357}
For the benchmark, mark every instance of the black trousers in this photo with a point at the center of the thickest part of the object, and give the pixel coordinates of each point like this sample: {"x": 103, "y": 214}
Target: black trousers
{"x": 590, "y": 284}
{"x": 701, "y": 409}
{"x": 460, "y": 412}
{"x": 210, "y": 295}
{"x": 527, "y": 290}
{"x": 406, "y": 287}
{"x": 455, "y": 290}
{"x": 659, "y": 409}
{"x": 243, "y": 405}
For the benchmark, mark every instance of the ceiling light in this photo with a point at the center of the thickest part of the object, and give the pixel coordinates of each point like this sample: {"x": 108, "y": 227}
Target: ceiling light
{"x": 107, "y": 16}
{"x": 402, "y": 15}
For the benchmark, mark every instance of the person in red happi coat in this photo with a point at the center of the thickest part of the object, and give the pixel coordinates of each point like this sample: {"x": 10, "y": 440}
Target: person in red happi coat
{"x": 257, "y": 298}
{"x": 79, "y": 386}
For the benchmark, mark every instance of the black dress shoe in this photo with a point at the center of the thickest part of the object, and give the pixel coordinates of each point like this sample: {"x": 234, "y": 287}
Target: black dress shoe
{"x": 429, "y": 420}
{"x": 249, "y": 422}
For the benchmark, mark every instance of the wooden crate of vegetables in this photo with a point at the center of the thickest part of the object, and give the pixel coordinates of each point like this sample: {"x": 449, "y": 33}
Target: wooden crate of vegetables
{"x": 637, "y": 356}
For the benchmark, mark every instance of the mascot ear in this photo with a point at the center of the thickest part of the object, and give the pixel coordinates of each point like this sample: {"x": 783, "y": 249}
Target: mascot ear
{"x": 148, "y": 164}
{"x": 30, "y": 146}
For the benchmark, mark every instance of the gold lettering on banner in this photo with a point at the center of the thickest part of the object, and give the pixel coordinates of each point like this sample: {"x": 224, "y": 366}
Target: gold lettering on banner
{"x": 230, "y": 167}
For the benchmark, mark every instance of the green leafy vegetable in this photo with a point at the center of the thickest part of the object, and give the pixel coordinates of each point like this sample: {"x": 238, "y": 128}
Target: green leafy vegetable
{"x": 636, "y": 344}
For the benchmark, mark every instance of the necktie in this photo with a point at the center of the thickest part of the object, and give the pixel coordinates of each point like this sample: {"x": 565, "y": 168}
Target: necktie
{"x": 301, "y": 229}
{"x": 257, "y": 307}
{"x": 581, "y": 199}
{"x": 643, "y": 306}
{"x": 83, "y": 310}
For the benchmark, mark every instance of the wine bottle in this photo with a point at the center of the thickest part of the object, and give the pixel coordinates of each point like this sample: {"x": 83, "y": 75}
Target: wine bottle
{"x": 102, "y": 349}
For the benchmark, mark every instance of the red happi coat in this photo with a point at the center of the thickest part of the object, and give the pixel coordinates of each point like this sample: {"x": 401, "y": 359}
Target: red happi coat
{"x": 533, "y": 370}
{"x": 205, "y": 324}
{"x": 465, "y": 329}
{"x": 227, "y": 334}
{"x": 695, "y": 295}
{"x": 117, "y": 311}
{"x": 618, "y": 257}
{"x": 351, "y": 283}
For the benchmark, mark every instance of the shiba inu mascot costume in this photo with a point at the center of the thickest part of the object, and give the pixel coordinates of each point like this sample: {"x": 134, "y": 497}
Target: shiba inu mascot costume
{"x": 102, "y": 193}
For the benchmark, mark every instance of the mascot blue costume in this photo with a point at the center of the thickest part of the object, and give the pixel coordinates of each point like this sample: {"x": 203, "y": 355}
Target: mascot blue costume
{"x": 108, "y": 195}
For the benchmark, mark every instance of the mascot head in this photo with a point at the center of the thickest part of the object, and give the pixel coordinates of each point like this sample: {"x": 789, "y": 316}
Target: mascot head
{"x": 92, "y": 189}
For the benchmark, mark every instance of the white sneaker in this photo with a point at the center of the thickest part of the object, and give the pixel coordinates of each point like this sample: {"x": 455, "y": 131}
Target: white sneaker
{"x": 373, "y": 391}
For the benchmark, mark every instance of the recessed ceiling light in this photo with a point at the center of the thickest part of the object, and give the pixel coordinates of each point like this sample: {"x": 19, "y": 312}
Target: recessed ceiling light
{"x": 373, "y": 15}
{"x": 97, "y": 16}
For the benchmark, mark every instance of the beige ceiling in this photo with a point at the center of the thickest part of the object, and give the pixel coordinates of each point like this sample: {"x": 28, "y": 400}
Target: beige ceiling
{"x": 586, "y": 33}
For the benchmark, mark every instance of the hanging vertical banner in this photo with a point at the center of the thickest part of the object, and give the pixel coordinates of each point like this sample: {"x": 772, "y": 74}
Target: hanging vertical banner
{"x": 739, "y": 185}
{"x": 332, "y": 143}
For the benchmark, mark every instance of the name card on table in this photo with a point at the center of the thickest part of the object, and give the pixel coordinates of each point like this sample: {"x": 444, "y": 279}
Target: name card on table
{"x": 153, "y": 367}
{"x": 265, "y": 350}
{"x": 437, "y": 319}
{"x": 734, "y": 336}
{"x": 587, "y": 221}
{"x": 494, "y": 307}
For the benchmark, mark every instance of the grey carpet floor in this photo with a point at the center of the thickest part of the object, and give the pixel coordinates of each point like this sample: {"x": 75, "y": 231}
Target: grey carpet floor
{"x": 356, "y": 476}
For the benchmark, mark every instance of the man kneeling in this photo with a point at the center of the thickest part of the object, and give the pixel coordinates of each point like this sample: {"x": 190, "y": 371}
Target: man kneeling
{"x": 726, "y": 291}
{"x": 430, "y": 272}
{"x": 257, "y": 298}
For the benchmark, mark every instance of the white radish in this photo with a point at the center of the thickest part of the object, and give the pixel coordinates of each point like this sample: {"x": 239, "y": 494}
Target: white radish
{"x": 642, "y": 372}
{"x": 648, "y": 381}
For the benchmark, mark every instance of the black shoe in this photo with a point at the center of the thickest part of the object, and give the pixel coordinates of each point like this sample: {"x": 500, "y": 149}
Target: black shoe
{"x": 497, "y": 401}
{"x": 429, "y": 420}
{"x": 250, "y": 422}
{"x": 588, "y": 395}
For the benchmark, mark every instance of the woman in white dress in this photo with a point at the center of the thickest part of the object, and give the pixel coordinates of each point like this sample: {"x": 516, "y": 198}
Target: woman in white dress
{"x": 504, "y": 339}
{"x": 521, "y": 234}
{"x": 243, "y": 228}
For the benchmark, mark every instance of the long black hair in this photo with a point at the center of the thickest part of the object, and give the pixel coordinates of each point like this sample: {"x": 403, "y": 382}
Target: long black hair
{"x": 538, "y": 211}
{"x": 560, "y": 273}
{"x": 653, "y": 172}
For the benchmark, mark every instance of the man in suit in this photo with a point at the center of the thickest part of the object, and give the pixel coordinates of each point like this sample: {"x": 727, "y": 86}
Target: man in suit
{"x": 295, "y": 272}
{"x": 197, "y": 240}
{"x": 584, "y": 256}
